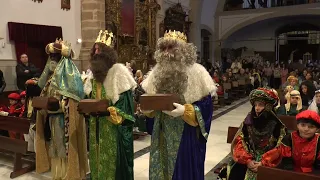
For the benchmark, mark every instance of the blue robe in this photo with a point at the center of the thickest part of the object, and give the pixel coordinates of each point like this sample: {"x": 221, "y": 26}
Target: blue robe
{"x": 178, "y": 150}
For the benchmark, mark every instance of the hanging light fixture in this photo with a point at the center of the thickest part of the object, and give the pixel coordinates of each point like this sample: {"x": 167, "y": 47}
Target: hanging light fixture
{"x": 39, "y": 1}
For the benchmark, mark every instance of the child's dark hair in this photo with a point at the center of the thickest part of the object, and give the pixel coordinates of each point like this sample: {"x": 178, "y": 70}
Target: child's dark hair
{"x": 309, "y": 121}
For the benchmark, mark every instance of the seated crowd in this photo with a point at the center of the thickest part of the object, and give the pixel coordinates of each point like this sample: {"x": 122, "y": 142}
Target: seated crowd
{"x": 262, "y": 139}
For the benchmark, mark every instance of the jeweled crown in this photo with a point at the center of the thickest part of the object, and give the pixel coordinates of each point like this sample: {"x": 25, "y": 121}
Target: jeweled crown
{"x": 105, "y": 37}
{"x": 62, "y": 47}
{"x": 176, "y": 35}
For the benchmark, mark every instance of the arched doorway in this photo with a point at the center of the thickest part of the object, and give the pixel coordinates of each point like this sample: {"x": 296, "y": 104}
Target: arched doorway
{"x": 294, "y": 40}
{"x": 205, "y": 45}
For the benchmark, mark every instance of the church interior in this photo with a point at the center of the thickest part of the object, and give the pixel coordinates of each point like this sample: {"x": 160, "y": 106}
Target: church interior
{"x": 160, "y": 89}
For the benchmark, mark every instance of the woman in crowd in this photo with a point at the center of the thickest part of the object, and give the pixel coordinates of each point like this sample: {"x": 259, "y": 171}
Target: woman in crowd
{"x": 307, "y": 92}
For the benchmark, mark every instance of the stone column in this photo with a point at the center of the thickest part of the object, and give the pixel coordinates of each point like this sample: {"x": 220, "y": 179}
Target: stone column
{"x": 216, "y": 41}
{"x": 211, "y": 49}
{"x": 195, "y": 17}
{"x": 92, "y": 21}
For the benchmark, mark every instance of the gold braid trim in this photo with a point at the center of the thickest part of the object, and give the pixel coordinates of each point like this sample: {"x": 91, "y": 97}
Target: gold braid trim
{"x": 189, "y": 115}
{"x": 150, "y": 115}
{"x": 114, "y": 118}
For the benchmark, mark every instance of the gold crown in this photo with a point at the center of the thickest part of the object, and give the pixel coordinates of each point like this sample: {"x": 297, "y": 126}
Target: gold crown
{"x": 105, "y": 37}
{"x": 65, "y": 50}
{"x": 175, "y": 35}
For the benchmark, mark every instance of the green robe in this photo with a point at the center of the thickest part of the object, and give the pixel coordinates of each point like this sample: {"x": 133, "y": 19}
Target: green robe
{"x": 111, "y": 156}
{"x": 292, "y": 111}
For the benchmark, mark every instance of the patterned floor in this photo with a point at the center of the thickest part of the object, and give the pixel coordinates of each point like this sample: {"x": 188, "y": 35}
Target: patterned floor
{"x": 217, "y": 148}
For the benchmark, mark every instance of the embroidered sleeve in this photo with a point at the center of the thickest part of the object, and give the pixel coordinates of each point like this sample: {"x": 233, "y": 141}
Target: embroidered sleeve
{"x": 189, "y": 115}
{"x": 282, "y": 137}
{"x": 124, "y": 108}
{"x": 272, "y": 158}
{"x": 240, "y": 154}
{"x": 285, "y": 146}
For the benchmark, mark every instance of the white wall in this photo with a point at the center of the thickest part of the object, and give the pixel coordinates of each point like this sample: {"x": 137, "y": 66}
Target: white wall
{"x": 256, "y": 35}
{"x": 48, "y": 12}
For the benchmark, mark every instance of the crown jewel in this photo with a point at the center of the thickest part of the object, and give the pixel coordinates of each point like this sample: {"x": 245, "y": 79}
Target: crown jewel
{"x": 175, "y": 35}
{"x": 63, "y": 43}
{"x": 105, "y": 37}
{"x": 65, "y": 48}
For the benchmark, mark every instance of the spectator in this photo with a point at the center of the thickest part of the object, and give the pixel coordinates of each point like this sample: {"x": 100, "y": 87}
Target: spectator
{"x": 2, "y": 82}
{"x": 25, "y": 71}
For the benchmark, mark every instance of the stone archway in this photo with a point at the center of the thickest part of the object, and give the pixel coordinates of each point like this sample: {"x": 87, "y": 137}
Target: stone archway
{"x": 303, "y": 12}
{"x": 207, "y": 28}
{"x": 217, "y": 40}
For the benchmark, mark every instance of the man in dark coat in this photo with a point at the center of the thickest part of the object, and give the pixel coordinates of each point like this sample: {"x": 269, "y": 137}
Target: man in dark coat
{"x": 2, "y": 82}
{"x": 25, "y": 71}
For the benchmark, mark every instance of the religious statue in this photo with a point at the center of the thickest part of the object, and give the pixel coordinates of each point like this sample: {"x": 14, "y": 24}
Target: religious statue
{"x": 60, "y": 131}
{"x": 179, "y": 137}
{"x": 111, "y": 137}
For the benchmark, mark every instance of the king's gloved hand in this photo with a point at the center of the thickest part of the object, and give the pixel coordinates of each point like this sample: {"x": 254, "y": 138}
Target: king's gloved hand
{"x": 179, "y": 111}
{"x": 3, "y": 113}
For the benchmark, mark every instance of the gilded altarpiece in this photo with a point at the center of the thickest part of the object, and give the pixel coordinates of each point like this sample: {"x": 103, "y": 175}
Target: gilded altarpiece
{"x": 140, "y": 46}
{"x": 176, "y": 19}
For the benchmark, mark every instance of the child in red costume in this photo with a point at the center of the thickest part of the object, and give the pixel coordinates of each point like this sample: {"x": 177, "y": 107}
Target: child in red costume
{"x": 299, "y": 150}
{"x": 15, "y": 107}
{"x": 14, "y": 110}
{"x": 23, "y": 102}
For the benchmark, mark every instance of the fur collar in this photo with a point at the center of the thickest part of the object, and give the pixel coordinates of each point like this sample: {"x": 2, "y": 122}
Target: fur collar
{"x": 200, "y": 84}
{"x": 118, "y": 80}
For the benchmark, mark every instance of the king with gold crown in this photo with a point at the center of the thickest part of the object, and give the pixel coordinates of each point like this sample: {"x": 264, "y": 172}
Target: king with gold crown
{"x": 178, "y": 143}
{"x": 110, "y": 136}
{"x": 60, "y": 131}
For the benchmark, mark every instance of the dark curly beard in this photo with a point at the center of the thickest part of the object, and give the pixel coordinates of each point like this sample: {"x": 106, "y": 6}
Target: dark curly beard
{"x": 99, "y": 69}
{"x": 101, "y": 62}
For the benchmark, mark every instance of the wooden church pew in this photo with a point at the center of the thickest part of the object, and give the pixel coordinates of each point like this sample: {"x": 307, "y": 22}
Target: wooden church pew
{"x": 16, "y": 146}
{"x": 265, "y": 173}
{"x": 289, "y": 121}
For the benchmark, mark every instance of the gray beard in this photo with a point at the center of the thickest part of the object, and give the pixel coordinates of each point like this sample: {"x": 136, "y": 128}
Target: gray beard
{"x": 171, "y": 78}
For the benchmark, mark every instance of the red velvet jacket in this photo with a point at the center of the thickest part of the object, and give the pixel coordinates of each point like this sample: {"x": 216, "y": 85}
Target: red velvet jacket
{"x": 301, "y": 151}
{"x": 22, "y": 110}
{"x": 13, "y": 110}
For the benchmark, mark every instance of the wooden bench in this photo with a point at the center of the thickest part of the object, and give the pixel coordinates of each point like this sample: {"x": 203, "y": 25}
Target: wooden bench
{"x": 227, "y": 87}
{"x": 235, "y": 89}
{"x": 266, "y": 173}
{"x": 242, "y": 88}
{"x": 16, "y": 146}
{"x": 289, "y": 121}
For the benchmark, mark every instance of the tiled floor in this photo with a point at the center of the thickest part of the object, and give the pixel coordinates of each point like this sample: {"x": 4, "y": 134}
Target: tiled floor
{"x": 217, "y": 148}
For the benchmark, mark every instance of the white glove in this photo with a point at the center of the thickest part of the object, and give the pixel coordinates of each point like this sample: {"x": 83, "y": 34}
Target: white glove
{"x": 87, "y": 85}
{"x": 179, "y": 111}
{"x": 83, "y": 76}
{"x": 2, "y": 113}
